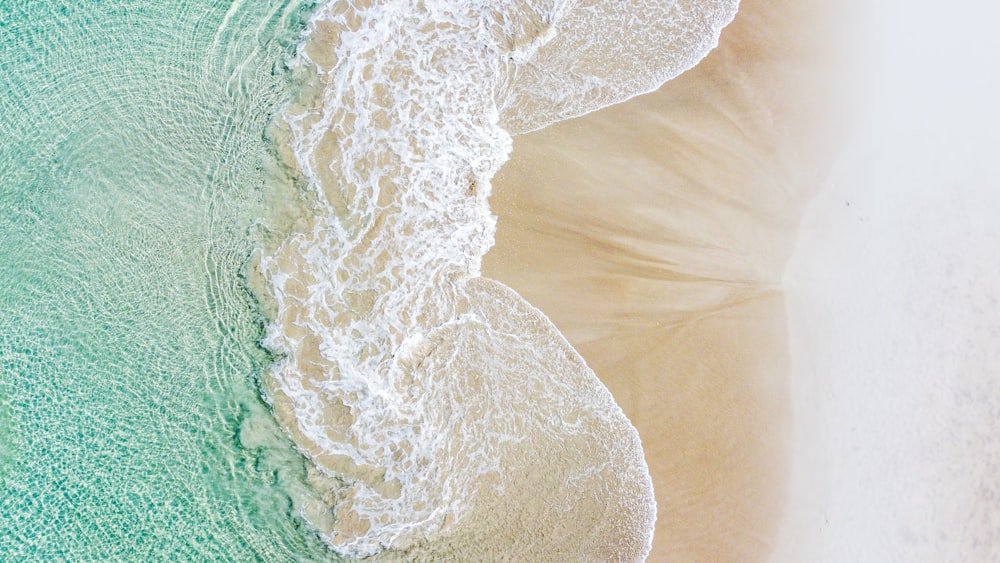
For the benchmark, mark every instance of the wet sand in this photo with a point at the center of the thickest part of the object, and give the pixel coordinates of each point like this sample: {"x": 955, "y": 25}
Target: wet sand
{"x": 655, "y": 235}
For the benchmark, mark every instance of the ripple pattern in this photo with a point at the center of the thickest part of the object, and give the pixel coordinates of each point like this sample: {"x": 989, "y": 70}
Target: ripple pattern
{"x": 132, "y": 169}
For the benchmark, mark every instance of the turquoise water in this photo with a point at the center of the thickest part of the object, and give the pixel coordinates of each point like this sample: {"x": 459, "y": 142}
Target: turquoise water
{"x": 133, "y": 165}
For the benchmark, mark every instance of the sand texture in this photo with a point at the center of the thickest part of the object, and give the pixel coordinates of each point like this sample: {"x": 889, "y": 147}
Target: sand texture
{"x": 655, "y": 235}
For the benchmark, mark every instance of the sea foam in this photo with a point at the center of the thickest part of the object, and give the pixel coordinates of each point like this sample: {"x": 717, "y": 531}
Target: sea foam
{"x": 448, "y": 416}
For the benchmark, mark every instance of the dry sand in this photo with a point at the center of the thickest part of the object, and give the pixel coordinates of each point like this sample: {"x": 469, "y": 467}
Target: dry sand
{"x": 893, "y": 301}
{"x": 655, "y": 235}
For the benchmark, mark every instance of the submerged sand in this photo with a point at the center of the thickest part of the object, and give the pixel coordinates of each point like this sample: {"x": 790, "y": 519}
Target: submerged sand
{"x": 655, "y": 235}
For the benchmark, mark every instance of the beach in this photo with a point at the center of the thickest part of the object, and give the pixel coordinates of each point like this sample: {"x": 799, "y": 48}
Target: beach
{"x": 892, "y": 298}
{"x": 655, "y": 235}
{"x": 499, "y": 280}
{"x": 782, "y": 265}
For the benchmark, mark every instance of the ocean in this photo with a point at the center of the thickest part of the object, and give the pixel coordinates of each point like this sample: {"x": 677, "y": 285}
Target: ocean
{"x": 243, "y": 313}
{"x": 132, "y": 170}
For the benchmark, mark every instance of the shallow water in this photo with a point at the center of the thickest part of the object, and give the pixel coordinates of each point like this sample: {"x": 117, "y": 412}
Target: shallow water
{"x": 132, "y": 168}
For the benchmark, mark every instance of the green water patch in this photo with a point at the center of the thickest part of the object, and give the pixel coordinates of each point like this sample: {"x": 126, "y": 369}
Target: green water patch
{"x": 133, "y": 168}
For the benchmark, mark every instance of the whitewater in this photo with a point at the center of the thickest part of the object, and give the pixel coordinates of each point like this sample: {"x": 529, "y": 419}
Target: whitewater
{"x": 443, "y": 415}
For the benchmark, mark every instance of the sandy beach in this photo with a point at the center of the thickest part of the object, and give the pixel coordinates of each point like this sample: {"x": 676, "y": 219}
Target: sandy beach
{"x": 655, "y": 235}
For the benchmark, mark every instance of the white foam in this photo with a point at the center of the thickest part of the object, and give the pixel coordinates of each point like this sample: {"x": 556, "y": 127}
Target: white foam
{"x": 397, "y": 153}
